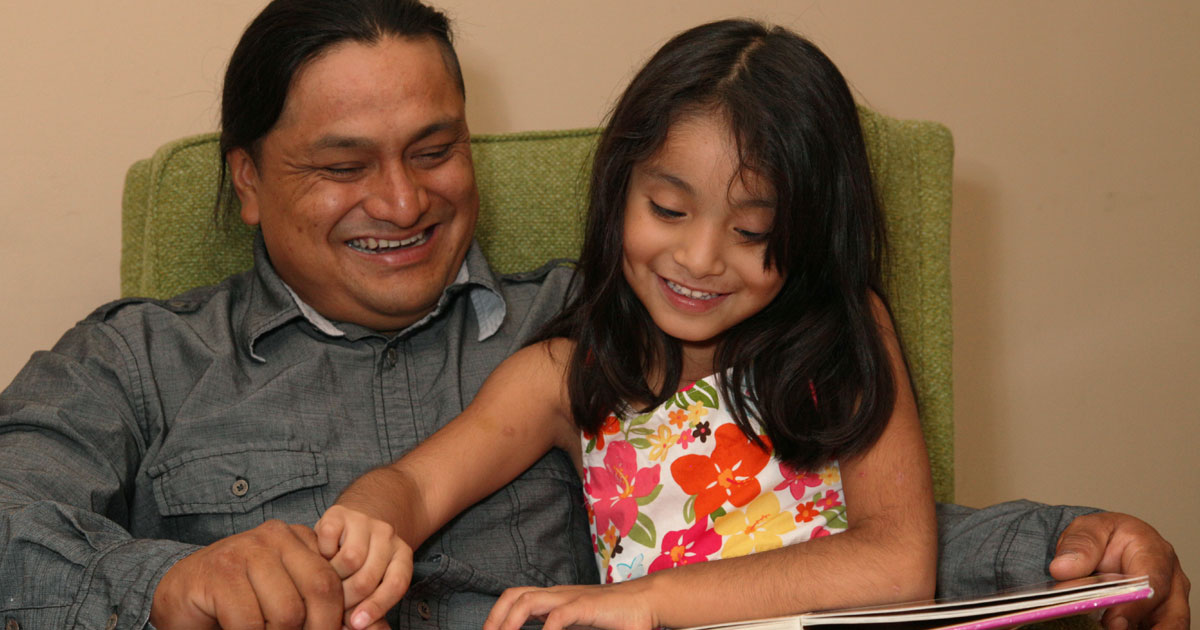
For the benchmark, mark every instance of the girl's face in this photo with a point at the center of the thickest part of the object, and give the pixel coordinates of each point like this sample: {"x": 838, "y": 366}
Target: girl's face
{"x": 695, "y": 234}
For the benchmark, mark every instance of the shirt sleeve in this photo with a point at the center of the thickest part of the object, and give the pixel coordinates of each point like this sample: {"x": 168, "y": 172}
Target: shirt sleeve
{"x": 981, "y": 551}
{"x": 71, "y": 442}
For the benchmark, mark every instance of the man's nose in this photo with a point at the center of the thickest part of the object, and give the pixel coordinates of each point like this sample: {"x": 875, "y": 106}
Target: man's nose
{"x": 397, "y": 196}
{"x": 700, "y": 251}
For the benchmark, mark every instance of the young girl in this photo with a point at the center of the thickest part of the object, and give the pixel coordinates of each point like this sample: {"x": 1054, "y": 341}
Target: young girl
{"x": 726, "y": 376}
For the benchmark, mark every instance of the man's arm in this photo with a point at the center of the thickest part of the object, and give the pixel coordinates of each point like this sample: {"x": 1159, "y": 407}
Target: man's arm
{"x": 1022, "y": 542}
{"x": 70, "y": 444}
{"x": 73, "y": 436}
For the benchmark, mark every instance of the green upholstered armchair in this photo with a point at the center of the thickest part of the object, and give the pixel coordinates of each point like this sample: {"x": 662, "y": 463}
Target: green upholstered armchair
{"x": 532, "y": 187}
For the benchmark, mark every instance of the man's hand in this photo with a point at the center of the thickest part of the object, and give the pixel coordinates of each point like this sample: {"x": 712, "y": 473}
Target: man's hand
{"x": 1118, "y": 543}
{"x": 374, "y": 563}
{"x": 271, "y": 576}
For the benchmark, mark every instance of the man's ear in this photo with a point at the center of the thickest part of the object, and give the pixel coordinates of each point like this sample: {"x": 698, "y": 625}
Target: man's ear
{"x": 244, "y": 174}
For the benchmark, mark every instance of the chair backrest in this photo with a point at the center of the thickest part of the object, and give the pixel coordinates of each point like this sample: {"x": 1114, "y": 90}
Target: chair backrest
{"x": 532, "y": 188}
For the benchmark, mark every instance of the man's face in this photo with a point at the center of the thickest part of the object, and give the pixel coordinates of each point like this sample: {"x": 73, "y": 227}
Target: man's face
{"x": 364, "y": 189}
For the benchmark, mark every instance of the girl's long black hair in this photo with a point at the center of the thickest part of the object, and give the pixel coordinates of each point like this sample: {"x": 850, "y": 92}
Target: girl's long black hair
{"x": 819, "y": 380}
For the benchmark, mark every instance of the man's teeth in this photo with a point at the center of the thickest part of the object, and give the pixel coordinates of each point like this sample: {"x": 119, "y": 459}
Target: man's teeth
{"x": 686, "y": 292}
{"x": 374, "y": 245}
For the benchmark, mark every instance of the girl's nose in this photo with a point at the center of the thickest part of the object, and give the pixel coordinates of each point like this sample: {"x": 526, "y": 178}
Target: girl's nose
{"x": 700, "y": 251}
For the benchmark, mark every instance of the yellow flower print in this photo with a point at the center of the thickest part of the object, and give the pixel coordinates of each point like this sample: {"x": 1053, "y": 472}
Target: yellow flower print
{"x": 830, "y": 475}
{"x": 663, "y": 441}
{"x": 756, "y": 529}
{"x": 695, "y": 412}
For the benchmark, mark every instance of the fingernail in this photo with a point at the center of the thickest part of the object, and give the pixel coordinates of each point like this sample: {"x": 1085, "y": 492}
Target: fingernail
{"x": 360, "y": 619}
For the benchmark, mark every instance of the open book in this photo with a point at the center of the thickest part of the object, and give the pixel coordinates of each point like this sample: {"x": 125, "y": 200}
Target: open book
{"x": 1005, "y": 609}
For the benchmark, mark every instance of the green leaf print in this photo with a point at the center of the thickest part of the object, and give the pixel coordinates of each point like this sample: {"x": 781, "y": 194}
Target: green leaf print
{"x": 836, "y": 517}
{"x": 680, "y": 400}
{"x": 642, "y": 419}
{"x": 689, "y": 509}
{"x": 591, "y": 445}
{"x": 712, "y": 394}
{"x": 699, "y": 396}
{"x": 642, "y": 531}
{"x": 716, "y": 514}
{"x": 650, "y": 497}
{"x": 640, "y": 443}
{"x": 641, "y": 431}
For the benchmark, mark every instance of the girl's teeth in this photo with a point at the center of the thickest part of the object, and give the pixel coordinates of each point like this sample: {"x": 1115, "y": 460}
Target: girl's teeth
{"x": 686, "y": 292}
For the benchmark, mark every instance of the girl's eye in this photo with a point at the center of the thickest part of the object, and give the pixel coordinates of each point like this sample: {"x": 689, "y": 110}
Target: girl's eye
{"x": 663, "y": 212}
{"x": 752, "y": 237}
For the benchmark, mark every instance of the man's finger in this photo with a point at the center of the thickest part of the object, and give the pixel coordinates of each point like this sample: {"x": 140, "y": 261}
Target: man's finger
{"x": 318, "y": 584}
{"x": 1081, "y": 547}
{"x": 278, "y": 598}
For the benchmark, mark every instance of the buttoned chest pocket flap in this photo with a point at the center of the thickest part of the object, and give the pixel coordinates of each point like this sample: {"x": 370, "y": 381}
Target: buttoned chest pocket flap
{"x": 208, "y": 494}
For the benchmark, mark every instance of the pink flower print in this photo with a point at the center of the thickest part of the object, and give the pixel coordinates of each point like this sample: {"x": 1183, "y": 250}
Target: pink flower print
{"x": 819, "y": 532}
{"x": 616, "y": 488}
{"x": 797, "y": 481}
{"x": 686, "y": 546}
{"x": 686, "y": 438}
{"x": 829, "y": 501}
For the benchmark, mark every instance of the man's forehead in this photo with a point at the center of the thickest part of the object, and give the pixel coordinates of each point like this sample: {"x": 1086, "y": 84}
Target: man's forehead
{"x": 405, "y": 78}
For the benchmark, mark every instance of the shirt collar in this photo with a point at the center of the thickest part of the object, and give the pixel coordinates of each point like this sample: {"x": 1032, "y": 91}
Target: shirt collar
{"x": 273, "y": 303}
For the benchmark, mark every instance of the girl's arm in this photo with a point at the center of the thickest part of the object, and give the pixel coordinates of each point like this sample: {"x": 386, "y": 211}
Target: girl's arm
{"x": 888, "y": 553}
{"x": 520, "y": 413}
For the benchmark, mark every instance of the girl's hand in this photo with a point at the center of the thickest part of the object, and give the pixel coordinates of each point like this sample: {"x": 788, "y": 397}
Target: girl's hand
{"x": 374, "y": 563}
{"x": 611, "y": 607}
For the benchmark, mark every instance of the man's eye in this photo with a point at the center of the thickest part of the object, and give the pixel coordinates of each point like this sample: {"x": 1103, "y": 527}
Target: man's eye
{"x": 435, "y": 154}
{"x": 342, "y": 171}
{"x": 664, "y": 212}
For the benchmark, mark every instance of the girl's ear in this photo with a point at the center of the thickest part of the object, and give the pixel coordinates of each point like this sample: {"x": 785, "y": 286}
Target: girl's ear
{"x": 244, "y": 174}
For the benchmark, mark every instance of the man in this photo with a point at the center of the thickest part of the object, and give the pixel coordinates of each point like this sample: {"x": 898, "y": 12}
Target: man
{"x": 166, "y": 460}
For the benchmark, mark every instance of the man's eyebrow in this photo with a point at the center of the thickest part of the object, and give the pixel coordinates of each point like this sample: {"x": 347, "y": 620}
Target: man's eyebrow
{"x": 338, "y": 141}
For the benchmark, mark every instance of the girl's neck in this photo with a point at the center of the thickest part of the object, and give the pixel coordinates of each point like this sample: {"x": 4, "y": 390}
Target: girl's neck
{"x": 697, "y": 361}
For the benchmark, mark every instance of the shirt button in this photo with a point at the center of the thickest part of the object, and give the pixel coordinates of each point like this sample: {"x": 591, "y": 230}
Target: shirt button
{"x": 12, "y": 624}
{"x": 391, "y": 357}
{"x": 112, "y": 622}
{"x": 424, "y": 610}
{"x": 240, "y": 487}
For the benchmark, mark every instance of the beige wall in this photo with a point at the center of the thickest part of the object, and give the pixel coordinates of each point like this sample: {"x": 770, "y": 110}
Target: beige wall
{"x": 1076, "y": 219}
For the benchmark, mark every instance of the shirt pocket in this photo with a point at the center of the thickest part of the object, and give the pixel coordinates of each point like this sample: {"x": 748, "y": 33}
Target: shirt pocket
{"x": 208, "y": 494}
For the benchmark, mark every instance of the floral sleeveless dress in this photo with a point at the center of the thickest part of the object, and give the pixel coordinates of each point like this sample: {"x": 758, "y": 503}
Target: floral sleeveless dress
{"x": 683, "y": 484}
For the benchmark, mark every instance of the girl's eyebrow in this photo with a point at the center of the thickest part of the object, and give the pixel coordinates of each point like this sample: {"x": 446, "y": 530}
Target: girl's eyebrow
{"x": 672, "y": 180}
{"x": 765, "y": 203}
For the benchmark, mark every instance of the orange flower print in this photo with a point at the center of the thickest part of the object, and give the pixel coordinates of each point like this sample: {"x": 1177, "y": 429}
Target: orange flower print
{"x": 611, "y": 426}
{"x": 727, "y": 475}
{"x": 806, "y": 512}
{"x": 678, "y": 418}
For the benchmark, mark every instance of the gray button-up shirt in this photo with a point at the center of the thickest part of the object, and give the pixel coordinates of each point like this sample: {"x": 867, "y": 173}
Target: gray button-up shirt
{"x": 153, "y": 427}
